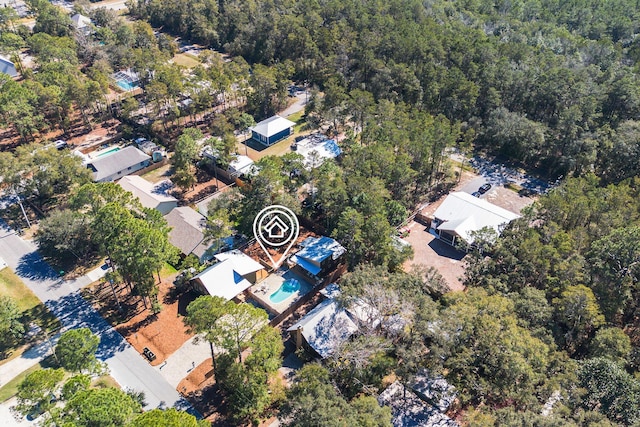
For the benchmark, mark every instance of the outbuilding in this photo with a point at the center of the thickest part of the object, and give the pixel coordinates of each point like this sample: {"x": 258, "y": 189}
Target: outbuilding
{"x": 272, "y": 130}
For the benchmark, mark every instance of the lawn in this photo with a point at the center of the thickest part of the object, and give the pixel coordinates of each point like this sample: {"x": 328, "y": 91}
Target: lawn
{"x": 10, "y": 389}
{"x": 30, "y": 306}
{"x": 186, "y": 60}
{"x": 12, "y": 286}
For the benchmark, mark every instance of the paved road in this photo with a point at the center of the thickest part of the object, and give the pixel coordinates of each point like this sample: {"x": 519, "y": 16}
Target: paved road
{"x": 62, "y": 297}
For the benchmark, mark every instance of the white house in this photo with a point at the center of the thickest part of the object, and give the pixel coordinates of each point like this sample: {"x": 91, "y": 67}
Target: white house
{"x": 461, "y": 215}
{"x": 81, "y": 23}
{"x": 114, "y": 165}
{"x": 152, "y": 196}
{"x": 230, "y": 276}
{"x": 7, "y": 67}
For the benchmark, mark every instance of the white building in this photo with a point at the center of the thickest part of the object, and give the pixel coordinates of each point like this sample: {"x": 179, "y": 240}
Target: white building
{"x": 461, "y": 215}
{"x": 116, "y": 164}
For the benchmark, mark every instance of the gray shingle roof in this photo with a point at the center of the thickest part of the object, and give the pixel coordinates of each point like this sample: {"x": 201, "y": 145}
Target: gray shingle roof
{"x": 120, "y": 160}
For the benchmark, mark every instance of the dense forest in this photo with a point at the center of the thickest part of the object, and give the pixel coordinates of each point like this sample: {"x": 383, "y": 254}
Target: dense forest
{"x": 551, "y": 84}
{"x": 551, "y": 307}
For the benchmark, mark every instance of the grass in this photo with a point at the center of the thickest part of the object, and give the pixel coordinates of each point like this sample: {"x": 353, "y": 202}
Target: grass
{"x": 8, "y": 390}
{"x": 106, "y": 381}
{"x": 33, "y": 311}
{"x": 12, "y": 286}
{"x": 167, "y": 270}
{"x": 188, "y": 61}
{"x": 159, "y": 174}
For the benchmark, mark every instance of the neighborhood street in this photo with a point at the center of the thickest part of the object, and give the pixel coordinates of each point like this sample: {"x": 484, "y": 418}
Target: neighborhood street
{"x": 62, "y": 297}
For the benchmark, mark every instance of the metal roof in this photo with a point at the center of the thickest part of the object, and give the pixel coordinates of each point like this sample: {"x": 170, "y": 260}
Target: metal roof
{"x": 272, "y": 126}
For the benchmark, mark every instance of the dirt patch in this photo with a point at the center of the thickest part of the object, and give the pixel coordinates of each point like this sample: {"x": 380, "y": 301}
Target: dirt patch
{"x": 431, "y": 252}
{"x": 162, "y": 333}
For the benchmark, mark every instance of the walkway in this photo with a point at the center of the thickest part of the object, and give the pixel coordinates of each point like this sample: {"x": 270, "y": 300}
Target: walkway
{"x": 62, "y": 297}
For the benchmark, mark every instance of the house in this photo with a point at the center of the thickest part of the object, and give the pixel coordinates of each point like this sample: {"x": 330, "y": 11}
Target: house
{"x": 241, "y": 165}
{"x": 187, "y": 233}
{"x": 316, "y": 149}
{"x": 408, "y": 410}
{"x": 461, "y": 215}
{"x": 81, "y": 23}
{"x": 318, "y": 256}
{"x": 7, "y": 67}
{"x": 113, "y": 166}
{"x": 152, "y": 196}
{"x": 272, "y": 130}
{"x": 324, "y": 328}
{"x": 231, "y": 275}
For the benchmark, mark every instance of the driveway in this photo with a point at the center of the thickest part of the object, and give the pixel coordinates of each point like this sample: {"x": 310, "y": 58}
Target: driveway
{"x": 63, "y": 298}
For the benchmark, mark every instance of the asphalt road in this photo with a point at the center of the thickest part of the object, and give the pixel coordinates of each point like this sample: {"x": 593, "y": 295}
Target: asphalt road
{"x": 62, "y": 297}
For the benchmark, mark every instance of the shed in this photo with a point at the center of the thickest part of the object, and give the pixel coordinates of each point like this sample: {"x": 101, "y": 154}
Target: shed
{"x": 115, "y": 165}
{"x": 152, "y": 196}
{"x": 7, "y": 67}
{"x": 272, "y": 130}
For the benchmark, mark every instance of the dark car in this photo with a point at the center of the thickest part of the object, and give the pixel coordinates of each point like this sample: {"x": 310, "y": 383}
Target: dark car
{"x": 476, "y": 194}
{"x": 484, "y": 188}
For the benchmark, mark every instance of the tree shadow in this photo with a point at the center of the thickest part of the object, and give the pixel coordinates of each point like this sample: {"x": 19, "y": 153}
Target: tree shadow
{"x": 32, "y": 266}
{"x": 75, "y": 312}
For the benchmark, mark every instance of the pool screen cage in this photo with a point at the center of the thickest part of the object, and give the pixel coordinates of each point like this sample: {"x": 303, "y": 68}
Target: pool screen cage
{"x": 126, "y": 76}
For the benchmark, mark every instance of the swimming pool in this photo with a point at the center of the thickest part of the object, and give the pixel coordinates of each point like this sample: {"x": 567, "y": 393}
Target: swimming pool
{"x": 288, "y": 288}
{"x": 127, "y": 85}
{"x": 113, "y": 150}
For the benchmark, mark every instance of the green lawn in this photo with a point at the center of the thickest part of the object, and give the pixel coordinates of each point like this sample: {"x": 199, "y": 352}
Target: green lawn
{"x": 167, "y": 270}
{"x": 186, "y": 60}
{"x": 32, "y": 311}
{"x": 12, "y": 286}
{"x": 10, "y": 389}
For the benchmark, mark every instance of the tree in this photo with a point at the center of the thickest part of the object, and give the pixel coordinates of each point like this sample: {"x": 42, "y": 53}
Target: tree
{"x": 610, "y": 390}
{"x": 75, "y": 384}
{"x": 65, "y": 233}
{"x": 38, "y": 390}
{"x": 578, "y": 313}
{"x": 312, "y": 401}
{"x": 611, "y": 343}
{"x": 203, "y": 317}
{"x": 107, "y": 407}
{"x": 239, "y": 324}
{"x": 167, "y": 418}
{"x": 186, "y": 152}
{"x": 11, "y": 326}
{"x": 76, "y": 350}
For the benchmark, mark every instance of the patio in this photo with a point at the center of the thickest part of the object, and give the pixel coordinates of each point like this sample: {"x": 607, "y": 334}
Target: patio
{"x": 263, "y": 291}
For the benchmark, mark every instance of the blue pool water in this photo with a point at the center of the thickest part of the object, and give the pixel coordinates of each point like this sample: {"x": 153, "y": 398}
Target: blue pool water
{"x": 288, "y": 288}
{"x": 113, "y": 150}
{"x": 126, "y": 85}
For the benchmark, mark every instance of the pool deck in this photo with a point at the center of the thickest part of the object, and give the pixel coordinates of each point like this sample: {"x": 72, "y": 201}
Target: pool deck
{"x": 261, "y": 291}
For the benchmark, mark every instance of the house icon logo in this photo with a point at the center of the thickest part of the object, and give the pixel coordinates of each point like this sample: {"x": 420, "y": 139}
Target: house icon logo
{"x": 276, "y": 228}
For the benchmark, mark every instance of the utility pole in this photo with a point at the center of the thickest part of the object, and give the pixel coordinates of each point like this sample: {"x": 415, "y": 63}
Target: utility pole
{"x": 22, "y": 207}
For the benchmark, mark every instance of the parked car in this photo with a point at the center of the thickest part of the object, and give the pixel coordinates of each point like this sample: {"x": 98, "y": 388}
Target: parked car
{"x": 476, "y": 194}
{"x": 484, "y": 188}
